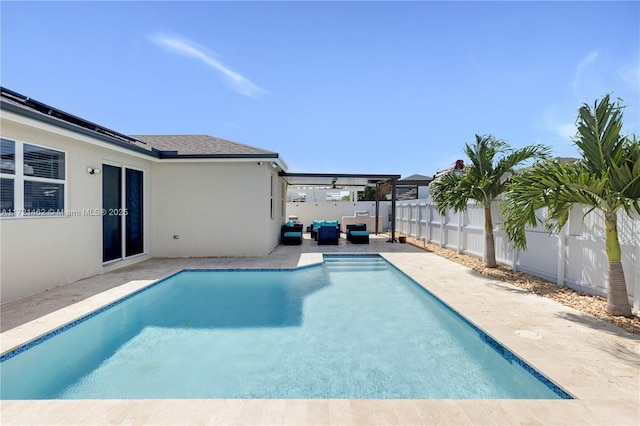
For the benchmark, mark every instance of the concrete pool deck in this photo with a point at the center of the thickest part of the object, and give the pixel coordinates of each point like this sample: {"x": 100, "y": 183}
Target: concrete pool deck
{"x": 594, "y": 361}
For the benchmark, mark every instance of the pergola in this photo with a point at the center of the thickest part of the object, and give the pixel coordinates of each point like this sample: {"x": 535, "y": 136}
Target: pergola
{"x": 336, "y": 180}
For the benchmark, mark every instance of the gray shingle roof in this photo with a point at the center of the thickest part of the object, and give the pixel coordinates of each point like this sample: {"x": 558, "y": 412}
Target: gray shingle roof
{"x": 199, "y": 145}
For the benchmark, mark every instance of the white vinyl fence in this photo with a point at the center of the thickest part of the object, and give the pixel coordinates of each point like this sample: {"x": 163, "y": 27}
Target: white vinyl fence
{"x": 575, "y": 257}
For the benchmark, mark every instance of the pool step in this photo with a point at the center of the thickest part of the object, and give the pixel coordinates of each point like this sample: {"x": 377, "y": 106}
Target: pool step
{"x": 356, "y": 269}
{"x": 354, "y": 259}
{"x": 355, "y": 264}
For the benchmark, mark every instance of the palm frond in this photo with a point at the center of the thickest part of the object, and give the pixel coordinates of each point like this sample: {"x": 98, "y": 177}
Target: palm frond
{"x": 598, "y": 136}
{"x": 446, "y": 194}
{"x": 505, "y": 167}
{"x": 548, "y": 184}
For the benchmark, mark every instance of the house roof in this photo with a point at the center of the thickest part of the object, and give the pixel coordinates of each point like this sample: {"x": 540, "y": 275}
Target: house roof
{"x": 415, "y": 180}
{"x": 416, "y": 177}
{"x": 158, "y": 146}
{"x": 199, "y": 145}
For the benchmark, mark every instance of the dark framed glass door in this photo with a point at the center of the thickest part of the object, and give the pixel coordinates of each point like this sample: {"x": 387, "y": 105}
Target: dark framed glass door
{"x": 111, "y": 202}
{"x": 122, "y": 218}
{"x": 133, "y": 219}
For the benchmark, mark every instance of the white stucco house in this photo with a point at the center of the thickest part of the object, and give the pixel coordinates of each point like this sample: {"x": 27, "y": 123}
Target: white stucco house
{"x": 78, "y": 199}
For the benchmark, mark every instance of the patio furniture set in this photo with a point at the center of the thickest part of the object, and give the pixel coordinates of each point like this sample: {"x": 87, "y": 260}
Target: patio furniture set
{"x": 325, "y": 232}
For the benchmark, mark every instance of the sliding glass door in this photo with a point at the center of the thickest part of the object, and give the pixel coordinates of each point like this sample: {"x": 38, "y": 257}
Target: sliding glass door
{"x": 111, "y": 202}
{"x": 133, "y": 219}
{"x": 122, "y": 213}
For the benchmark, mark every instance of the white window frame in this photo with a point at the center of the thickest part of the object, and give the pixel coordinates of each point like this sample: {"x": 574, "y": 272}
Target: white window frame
{"x": 19, "y": 179}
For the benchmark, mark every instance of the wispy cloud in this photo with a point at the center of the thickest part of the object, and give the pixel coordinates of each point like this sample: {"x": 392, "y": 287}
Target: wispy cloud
{"x": 566, "y": 131}
{"x": 596, "y": 73}
{"x": 631, "y": 75}
{"x": 557, "y": 128}
{"x": 558, "y": 125}
{"x": 584, "y": 63}
{"x": 185, "y": 47}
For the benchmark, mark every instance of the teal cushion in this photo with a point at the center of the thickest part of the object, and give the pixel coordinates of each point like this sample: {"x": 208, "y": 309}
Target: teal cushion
{"x": 292, "y": 234}
{"x": 290, "y": 223}
{"x": 318, "y": 223}
{"x": 359, "y": 233}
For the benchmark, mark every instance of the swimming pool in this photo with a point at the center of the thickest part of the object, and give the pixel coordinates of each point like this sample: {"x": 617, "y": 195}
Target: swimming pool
{"x": 354, "y": 327}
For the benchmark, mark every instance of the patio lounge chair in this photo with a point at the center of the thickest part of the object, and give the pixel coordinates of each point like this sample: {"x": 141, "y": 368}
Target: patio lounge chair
{"x": 359, "y": 237}
{"x": 291, "y": 234}
{"x": 358, "y": 227}
{"x": 328, "y": 234}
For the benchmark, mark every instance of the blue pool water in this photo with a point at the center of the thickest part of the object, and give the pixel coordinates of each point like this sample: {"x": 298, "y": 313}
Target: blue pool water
{"x": 354, "y": 327}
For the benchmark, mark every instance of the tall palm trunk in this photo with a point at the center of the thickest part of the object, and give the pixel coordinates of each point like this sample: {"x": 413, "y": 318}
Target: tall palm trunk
{"x": 489, "y": 241}
{"x": 617, "y": 298}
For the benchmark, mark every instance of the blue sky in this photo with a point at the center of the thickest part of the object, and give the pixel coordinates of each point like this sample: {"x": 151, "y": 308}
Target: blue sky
{"x": 348, "y": 87}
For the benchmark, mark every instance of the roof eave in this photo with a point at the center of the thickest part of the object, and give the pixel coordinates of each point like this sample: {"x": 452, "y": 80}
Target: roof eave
{"x": 38, "y": 116}
{"x": 175, "y": 154}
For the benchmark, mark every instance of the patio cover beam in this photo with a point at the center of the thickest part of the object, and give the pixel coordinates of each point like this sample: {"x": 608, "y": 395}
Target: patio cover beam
{"x": 335, "y": 179}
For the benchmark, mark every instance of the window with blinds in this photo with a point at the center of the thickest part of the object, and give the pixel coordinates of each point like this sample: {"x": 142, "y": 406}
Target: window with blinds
{"x": 7, "y": 202}
{"x": 32, "y": 180}
{"x": 43, "y": 162}
{"x": 44, "y": 174}
{"x": 7, "y": 177}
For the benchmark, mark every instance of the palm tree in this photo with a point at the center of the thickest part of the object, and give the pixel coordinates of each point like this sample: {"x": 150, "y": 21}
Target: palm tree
{"x": 607, "y": 178}
{"x": 483, "y": 181}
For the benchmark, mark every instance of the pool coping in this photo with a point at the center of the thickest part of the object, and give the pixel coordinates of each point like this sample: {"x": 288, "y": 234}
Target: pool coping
{"x": 605, "y": 379}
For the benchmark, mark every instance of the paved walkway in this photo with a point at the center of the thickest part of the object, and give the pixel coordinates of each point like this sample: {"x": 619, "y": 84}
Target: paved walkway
{"x": 596, "y": 362}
